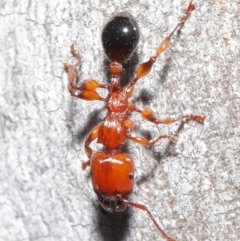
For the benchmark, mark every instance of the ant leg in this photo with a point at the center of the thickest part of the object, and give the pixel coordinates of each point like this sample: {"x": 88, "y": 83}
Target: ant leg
{"x": 145, "y": 68}
{"x": 92, "y": 136}
{"x": 148, "y": 115}
{"x": 87, "y": 88}
{"x": 143, "y": 141}
{"x": 144, "y": 208}
{"x": 85, "y": 164}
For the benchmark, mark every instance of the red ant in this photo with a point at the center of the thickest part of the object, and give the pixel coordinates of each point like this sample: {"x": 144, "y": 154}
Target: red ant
{"x": 112, "y": 170}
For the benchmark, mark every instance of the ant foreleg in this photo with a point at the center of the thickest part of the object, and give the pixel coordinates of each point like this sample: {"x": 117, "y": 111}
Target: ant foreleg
{"x": 87, "y": 88}
{"x": 145, "y": 68}
{"x": 85, "y": 164}
{"x": 93, "y": 135}
{"x": 144, "y": 208}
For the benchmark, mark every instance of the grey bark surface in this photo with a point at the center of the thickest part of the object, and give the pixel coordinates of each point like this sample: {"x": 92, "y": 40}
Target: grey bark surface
{"x": 192, "y": 187}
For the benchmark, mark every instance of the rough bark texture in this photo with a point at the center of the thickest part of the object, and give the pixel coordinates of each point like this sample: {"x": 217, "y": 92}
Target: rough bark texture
{"x": 191, "y": 187}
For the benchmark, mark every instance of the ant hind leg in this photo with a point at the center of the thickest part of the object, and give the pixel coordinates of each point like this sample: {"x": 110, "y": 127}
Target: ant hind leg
{"x": 145, "y": 68}
{"x": 73, "y": 70}
{"x": 87, "y": 89}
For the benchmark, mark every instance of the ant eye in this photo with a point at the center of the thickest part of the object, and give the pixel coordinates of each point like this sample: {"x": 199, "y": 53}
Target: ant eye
{"x": 131, "y": 175}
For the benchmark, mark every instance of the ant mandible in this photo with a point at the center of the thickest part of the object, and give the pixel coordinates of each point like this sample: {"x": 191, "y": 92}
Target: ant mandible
{"x": 112, "y": 170}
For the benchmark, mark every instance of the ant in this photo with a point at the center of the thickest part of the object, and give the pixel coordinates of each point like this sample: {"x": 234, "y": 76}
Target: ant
{"x": 112, "y": 170}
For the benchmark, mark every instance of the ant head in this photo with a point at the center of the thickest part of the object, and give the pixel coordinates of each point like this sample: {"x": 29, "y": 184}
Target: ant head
{"x": 120, "y": 37}
{"x": 112, "y": 176}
